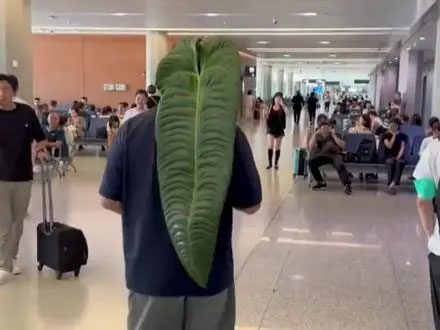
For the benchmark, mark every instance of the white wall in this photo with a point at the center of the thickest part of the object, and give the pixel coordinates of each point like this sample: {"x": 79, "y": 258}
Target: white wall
{"x": 422, "y": 7}
{"x": 345, "y": 76}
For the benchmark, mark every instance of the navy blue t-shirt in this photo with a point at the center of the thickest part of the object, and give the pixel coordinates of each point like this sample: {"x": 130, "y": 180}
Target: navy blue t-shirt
{"x": 152, "y": 266}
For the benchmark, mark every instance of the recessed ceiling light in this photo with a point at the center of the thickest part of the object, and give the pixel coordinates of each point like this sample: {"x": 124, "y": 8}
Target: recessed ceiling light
{"x": 422, "y": 38}
{"x": 396, "y": 58}
{"x": 415, "y": 44}
{"x": 408, "y": 48}
{"x": 390, "y": 62}
{"x": 325, "y": 42}
{"x": 308, "y": 14}
{"x": 262, "y": 42}
{"x": 337, "y": 63}
{"x": 332, "y": 55}
{"x": 119, "y": 14}
{"x": 286, "y": 55}
{"x": 212, "y": 14}
{"x": 300, "y": 63}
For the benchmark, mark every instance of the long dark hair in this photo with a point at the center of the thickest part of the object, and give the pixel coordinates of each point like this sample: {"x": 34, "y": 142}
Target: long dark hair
{"x": 278, "y": 94}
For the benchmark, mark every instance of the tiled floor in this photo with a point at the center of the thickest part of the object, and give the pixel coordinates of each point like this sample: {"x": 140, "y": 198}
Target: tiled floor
{"x": 315, "y": 261}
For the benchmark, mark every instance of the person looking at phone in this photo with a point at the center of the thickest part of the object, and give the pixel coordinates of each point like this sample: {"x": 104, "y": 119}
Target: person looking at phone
{"x": 276, "y": 124}
{"x": 394, "y": 143}
{"x": 326, "y": 149}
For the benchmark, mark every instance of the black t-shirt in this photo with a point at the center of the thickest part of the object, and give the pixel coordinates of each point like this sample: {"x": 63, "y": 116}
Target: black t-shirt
{"x": 394, "y": 151}
{"x": 152, "y": 267}
{"x": 312, "y": 102}
{"x": 18, "y": 129}
{"x": 298, "y": 102}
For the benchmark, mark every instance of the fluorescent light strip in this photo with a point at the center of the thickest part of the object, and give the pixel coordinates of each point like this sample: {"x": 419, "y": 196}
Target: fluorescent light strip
{"x": 326, "y": 59}
{"x": 360, "y": 29}
{"x": 116, "y": 14}
{"x": 276, "y": 33}
{"x": 319, "y": 50}
{"x": 240, "y": 31}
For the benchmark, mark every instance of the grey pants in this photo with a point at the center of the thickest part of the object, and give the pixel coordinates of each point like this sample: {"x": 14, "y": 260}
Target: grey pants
{"x": 14, "y": 202}
{"x": 182, "y": 313}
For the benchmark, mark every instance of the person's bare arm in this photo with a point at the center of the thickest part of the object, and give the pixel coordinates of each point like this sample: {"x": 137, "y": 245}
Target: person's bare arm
{"x": 389, "y": 143}
{"x": 111, "y": 205}
{"x": 401, "y": 151}
{"x": 339, "y": 141}
{"x": 426, "y": 214}
{"x": 312, "y": 143}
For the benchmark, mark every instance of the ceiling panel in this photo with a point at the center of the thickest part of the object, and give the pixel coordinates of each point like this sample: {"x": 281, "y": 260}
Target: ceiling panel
{"x": 234, "y": 14}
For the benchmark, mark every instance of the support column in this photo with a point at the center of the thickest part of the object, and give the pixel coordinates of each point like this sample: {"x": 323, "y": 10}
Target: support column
{"x": 263, "y": 80}
{"x": 16, "y": 44}
{"x": 277, "y": 80}
{"x": 436, "y": 86}
{"x": 157, "y": 48}
{"x": 413, "y": 94}
{"x": 290, "y": 87}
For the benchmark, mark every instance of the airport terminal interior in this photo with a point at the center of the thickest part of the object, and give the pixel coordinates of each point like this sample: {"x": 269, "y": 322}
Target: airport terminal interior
{"x": 309, "y": 259}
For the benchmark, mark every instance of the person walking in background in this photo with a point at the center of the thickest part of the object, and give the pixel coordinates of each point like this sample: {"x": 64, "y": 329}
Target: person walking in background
{"x": 327, "y": 101}
{"x": 298, "y": 105}
{"x": 427, "y": 178}
{"x": 276, "y": 124}
{"x": 19, "y": 127}
{"x": 249, "y": 105}
{"x": 312, "y": 105}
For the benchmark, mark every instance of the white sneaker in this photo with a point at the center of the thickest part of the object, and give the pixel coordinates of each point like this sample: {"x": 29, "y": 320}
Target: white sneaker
{"x": 5, "y": 277}
{"x": 16, "y": 268}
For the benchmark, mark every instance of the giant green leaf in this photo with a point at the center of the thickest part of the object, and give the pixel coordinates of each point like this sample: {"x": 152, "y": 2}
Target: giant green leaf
{"x": 195, "y": 132}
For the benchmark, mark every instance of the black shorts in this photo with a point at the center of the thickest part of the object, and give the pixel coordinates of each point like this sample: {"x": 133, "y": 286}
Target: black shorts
{"x": 276, "y": 134}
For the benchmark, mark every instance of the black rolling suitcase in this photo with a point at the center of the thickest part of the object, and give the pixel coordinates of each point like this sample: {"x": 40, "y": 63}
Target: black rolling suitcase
{"x": 60, "y": 247}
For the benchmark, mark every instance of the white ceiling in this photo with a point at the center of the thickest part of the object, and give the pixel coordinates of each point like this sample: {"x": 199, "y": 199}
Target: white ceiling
{"x": 357, "y": 29}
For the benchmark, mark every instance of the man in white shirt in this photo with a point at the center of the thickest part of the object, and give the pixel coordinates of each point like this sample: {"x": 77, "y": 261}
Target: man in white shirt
{"x": 427, "y": 176}
{"x": 141, "y": 100}
{"x": 434, "y": 126}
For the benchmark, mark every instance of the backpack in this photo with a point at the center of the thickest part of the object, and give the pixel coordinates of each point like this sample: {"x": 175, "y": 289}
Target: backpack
{"x": 366, "y": 151}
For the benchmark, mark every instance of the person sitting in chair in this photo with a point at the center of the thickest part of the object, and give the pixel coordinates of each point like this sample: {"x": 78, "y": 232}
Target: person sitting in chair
{"x": 326, "y": 149}
{"x": 394, "y": 143}
{"x": 56, "y": 140}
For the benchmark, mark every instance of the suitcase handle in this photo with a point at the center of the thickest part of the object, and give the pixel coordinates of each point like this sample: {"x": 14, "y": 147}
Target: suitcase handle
{"x": 46, "y": 187}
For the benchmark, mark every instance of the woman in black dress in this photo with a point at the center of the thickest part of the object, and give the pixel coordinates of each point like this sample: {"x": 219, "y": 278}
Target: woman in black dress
{"x": 276, "y": 124}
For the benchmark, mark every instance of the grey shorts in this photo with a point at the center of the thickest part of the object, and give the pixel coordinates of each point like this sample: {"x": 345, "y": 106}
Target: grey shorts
{"x": 182, "y": 313}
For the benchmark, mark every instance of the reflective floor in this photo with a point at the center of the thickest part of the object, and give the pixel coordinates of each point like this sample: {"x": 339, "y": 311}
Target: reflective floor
{"x": 307, "y": 260}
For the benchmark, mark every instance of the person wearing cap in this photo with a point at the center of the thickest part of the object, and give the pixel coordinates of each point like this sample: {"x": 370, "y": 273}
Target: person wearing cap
{"x": 326, "y": 149}
{"x": 19, "y": 127}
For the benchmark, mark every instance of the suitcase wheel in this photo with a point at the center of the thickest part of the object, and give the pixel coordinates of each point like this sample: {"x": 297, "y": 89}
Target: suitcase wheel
{"x": 76, "y": 272}
{"x": 59, "y": 275}
{"x": 40, "y": 267}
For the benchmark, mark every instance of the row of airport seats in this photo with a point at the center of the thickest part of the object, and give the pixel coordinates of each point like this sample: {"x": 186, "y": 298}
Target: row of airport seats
{"x": 96, "y": 129}
{"x": 413, "y": 135}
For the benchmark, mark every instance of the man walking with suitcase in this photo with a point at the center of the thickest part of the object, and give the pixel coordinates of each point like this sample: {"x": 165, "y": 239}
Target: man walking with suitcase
{"x": 19, "y": 127}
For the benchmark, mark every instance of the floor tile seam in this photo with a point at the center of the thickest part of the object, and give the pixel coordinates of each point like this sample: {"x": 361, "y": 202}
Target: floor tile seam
{"x": 269, "y": 301}
{"x": 396, "y": 280}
